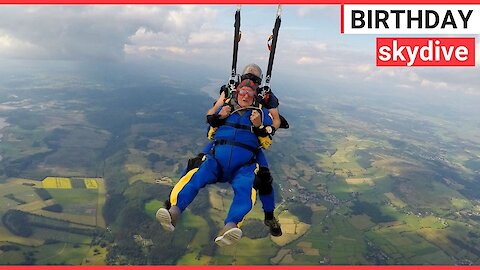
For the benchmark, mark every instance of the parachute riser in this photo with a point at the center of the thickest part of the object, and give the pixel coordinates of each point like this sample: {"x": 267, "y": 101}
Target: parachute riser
{"x": 272, "y": 48}
{"x": 236, "y": 40}
{"x": 276, "y": 28}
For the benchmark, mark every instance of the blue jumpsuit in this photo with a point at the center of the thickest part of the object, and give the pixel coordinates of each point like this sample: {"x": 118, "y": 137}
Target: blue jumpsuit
{"x": 268, "y": 200}
{"x": 231, "y": 160}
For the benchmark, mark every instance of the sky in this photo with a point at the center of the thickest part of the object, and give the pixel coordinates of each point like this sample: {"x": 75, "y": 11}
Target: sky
{"x": 176, "y": 43}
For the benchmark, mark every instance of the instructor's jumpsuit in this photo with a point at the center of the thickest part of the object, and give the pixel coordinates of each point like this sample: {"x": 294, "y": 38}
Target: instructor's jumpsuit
{"x": 231, "y": 160}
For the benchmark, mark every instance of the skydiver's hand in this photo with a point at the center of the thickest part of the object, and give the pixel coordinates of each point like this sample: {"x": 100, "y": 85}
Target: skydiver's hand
{"x": 256, "y": 119}
{"x": 219, "y": 103}
{"x": 224, "y": 112}
{"x": 224, "y": 89}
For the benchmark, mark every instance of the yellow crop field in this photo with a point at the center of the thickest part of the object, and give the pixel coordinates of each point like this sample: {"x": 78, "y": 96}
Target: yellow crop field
{"x": 79, "y": 219}
{"x": 194, "y": 258}
{"x": 311, "y": 251}
{"x": 34, "y": 206}
{"x": 7, "y": 236}
{"x": 361, "y": 222}
{"x": 280, "y": 255}
{"x": 288, "y": 259}
{"x": 360, "y": 181}
{"x": 395, "y": 200}
{"x": 95, "y": 256}
{"x": 57, "y": 182}
{"x": 91, "y": 183}
{"x": 29, "y": 182}
{"x": 216, "y": 199}
{"x": 292, "y": 230}
{"x": 101, "y": 202}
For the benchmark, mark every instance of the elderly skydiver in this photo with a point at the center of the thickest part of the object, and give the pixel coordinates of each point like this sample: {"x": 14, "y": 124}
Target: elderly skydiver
{"x": 241, "y": 125}
{"x": 263, "y": 180}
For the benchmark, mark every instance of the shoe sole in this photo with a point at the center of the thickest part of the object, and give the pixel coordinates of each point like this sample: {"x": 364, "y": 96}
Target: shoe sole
{"x": 228, "y": 238}
{"x": 276, "y": 234}
{"x": 163, "y": 216}
{"x": 272, "y": 233}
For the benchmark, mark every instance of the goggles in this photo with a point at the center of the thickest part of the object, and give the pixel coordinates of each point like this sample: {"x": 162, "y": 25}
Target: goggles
{"x": 248, "y": 83}
{"x": 243, "y": 92}
{"x": 249, "y": 76}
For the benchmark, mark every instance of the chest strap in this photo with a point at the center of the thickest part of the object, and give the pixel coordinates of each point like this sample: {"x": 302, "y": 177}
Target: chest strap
{"x": 239, "y": 126}
{"x": 245, "y": 146}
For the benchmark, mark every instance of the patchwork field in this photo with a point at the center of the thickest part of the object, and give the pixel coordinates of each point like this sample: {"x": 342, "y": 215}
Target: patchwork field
{"x": 361, "y": 178}
{"x": 54, "y": 214}
{"x": 248, "y": 250}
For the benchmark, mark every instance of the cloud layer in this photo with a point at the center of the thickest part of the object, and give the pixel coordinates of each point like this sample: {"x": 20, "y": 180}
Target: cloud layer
{"x": 309, "y": 46}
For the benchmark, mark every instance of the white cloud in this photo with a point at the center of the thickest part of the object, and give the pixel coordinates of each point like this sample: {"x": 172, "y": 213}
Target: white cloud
{"x": 306, "y": 60}
{"x": 434, "y": 85}
{"x": 321, "y": 46}
{"x": 208, "y": 37}
{"x": 305, "y": 10}
{"x": 6, "y": 42}
{"x": 175, "y": 50}
{"x": 154, "y": 50}
{"x": 99, "y": 32}
{"x": 413, "y": 77}
{"x": 143, "y": 35}
{"x": 472, "y": 91}
{"x": 13, "y": 47}
{"x": 364, "y": 68}
{"x": 404, "y": 86}
{"x": 188, "y": 17}
{"x": 308, "y": 43}
{"x": 380, "y": 73}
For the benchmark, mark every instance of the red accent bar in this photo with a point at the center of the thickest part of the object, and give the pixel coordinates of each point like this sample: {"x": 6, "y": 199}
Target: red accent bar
{"x": 273, "y": 267}
{"x": 278, "y": 267}
{"x": 341, "y": 18}
{"x": 451, "y": 52}
{"x": 249, "y": 2}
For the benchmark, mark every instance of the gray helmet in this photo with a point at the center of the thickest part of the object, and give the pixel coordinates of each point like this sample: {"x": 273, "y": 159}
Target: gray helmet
{"x": 253, "y": 69}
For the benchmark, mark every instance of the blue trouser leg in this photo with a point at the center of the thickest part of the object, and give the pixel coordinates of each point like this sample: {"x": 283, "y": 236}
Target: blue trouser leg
{"x": 207, "y": 148}
{"x": 187, "y": 188}
{"x": 261, "y": 159}
{"x": 244, "y": 194}
{"x": 268, "y": 202}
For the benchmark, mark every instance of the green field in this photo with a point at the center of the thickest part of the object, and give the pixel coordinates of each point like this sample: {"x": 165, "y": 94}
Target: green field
{"x": 61, "y": 241}
{"x": 368, "y": 178}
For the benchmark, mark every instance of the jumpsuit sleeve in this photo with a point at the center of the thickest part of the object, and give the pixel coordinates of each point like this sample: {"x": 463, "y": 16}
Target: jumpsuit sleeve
{"x": 267, "y": 120}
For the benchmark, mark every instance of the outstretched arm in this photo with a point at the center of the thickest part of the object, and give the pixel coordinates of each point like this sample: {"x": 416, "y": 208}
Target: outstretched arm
{"x": 220, "y": 101}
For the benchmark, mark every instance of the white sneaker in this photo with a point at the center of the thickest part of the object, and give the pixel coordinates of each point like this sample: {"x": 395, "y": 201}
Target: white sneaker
{"x": 163, "y": 216}
{"x": 229, "y": 237}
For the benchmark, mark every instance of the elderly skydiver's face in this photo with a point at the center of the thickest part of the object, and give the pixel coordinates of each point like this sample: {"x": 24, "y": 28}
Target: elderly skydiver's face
{"x": 246, "y": 91}
{"x": 246, "y": 96}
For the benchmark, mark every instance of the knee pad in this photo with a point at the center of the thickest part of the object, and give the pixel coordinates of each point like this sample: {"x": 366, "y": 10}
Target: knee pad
{"x": 195, "y": 162}
{"x": 263, "y": 181}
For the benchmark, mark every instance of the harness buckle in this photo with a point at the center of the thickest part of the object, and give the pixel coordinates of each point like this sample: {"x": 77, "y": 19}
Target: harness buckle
{"x": 264, "y": 92}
